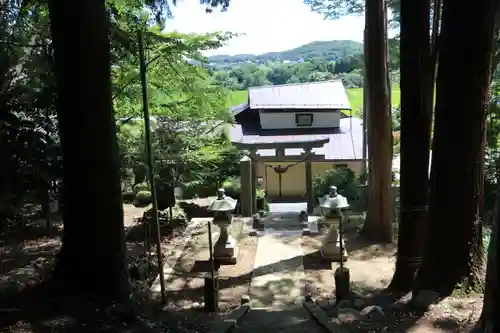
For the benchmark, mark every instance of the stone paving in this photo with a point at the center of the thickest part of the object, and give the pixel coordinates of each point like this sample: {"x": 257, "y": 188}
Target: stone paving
{"x": 278, "y": 280}
{"x": 293, "y": 319}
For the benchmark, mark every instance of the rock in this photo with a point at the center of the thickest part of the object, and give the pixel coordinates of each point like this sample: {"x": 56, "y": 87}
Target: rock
{"x": 348, "y": 315}
{"x": 373, "y": 312}
{"x": 196, "y": 305}
{"x": 342, "y": 304}
{"x": 323, "y": 303}
{"x": 425, "y": 299}
{"x": 358, "y": 303}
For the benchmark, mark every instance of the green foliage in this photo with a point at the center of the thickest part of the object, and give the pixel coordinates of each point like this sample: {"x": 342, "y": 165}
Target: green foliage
{"x": 140, "y": 187}
{"x": 143, "y": 198}
{"x": 347, "y": 182}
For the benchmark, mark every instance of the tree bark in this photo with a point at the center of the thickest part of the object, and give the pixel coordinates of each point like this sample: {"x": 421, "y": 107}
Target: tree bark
{"x": 489, "y": 321}
{"x": 453, "y": 250}
{"x": 378, "y": 225}
{"x": 415, "y": 139}
{"x": 92, "y": 257}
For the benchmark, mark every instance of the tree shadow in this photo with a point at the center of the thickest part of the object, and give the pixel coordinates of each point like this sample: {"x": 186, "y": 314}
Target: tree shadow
{"x": 50, "y": 308}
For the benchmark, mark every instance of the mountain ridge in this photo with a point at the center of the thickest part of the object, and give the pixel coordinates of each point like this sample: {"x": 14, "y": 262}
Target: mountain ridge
{"x": 328, "y": 50}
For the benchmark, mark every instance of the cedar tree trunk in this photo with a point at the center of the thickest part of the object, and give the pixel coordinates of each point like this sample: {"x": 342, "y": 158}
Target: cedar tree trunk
{"x": 453, "y": 251}
{"x": 92, "y": 257}
{"x": 415, "y": 140}
{"x": 378, "y": 225}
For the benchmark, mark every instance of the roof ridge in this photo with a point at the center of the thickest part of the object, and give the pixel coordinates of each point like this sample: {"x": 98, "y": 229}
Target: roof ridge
{"x": 295, "y": 84}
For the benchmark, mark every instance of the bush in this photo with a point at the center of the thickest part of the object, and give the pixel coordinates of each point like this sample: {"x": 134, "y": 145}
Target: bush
{"x": 141, "y": 187}
{"x": 143, "y": 198}
{"x": 347, "y": 182}
{"x": 128, "y": 197}
{"x": 262, "y": 203}
{"x": 232, "y": 187}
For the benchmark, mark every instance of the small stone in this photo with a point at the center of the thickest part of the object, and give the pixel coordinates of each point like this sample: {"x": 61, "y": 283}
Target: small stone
{"x": 358, "y": 303}
{"x": 373, "y": 312}
{"x": 323, "y": 302}
{"x": 253, "y": 232}
{"x": 346, "y": 315}
{"x": 245, "y": 299}
{"x": 425, "y": 299}
{"x": 306, "y": 232}
{"x": 196, "y": 305}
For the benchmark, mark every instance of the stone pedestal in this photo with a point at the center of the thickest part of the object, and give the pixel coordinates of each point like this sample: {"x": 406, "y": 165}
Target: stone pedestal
{"x": 331, "y": 245}
{"x": 225, "y": 249}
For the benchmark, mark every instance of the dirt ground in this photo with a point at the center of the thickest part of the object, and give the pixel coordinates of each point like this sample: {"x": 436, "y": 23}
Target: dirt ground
{"x": 371, "y": 268}
{"x": 27, "y": 261}
{"x": 185, "y": 285}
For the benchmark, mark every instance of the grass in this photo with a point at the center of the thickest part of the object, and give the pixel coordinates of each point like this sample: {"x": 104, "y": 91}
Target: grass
{"x": 355, "y": 96}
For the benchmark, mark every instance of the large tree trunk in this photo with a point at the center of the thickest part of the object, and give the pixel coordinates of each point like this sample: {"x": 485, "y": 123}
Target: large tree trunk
{"x": 489, "y": 321}
{"x": 415, "y": 140}
{"x": 453, "y": 251}
{"x": 378, "y": 225}
{"x": 92, "y": 257}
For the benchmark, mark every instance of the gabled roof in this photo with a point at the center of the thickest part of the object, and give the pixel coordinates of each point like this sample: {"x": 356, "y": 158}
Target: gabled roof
{"x": 345, "y": 142}
{"x": 314, "y": 95}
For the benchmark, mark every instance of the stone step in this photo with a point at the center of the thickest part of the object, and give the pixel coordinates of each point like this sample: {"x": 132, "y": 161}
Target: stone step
{"x": 273, "y": 320}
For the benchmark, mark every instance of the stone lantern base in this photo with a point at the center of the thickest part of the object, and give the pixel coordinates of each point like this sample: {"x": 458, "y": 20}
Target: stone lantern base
{"x": 225, "y": 249}
{"x": 330, "y": 249}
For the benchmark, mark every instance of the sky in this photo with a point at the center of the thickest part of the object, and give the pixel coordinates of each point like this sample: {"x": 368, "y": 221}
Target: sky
{"x": 268, "y": 25}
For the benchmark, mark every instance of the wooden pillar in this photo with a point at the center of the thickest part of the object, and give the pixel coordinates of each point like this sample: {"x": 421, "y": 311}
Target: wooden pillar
{"x": 309, "y": 184}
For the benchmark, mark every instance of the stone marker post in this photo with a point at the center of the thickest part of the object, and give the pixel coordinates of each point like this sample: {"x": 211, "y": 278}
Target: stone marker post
{"x": 246, "y": 193}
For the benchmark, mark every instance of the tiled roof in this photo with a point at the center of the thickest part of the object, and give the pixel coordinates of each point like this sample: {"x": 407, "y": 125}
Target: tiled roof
{"x": 346, "y": 142}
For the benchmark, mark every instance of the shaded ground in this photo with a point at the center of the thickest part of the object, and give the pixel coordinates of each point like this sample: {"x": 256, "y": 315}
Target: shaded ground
{"x": 371, "y": 268}
{"x": 27, "y": 304}
{"x": 185, "y": 285}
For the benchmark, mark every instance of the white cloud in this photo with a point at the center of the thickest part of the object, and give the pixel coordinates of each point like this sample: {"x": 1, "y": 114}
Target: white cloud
{"x": 269, "y": 25}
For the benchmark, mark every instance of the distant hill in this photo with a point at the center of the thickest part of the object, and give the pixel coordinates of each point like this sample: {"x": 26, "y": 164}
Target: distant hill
{"x": 329, "y": 50}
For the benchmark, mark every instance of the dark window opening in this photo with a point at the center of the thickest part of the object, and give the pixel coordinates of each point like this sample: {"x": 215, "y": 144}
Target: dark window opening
{"x": 304, "y": 119}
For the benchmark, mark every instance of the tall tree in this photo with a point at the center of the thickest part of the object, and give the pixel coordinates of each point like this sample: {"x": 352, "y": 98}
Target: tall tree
{"x": 92, "y": 257}
{"x": 378, "y": 225}
{"x": 415, "y": 138}
{"x": 454, "y": 251}
{"x": 489, "y": 320}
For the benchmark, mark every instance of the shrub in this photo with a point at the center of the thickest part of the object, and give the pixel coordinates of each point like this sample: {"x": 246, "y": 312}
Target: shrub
{"x": 347, "y": 182}
{"x": 232, "y": 187}
{"x": 142, "y": 199}
{"x": 128, "y": 197}
{"x": 141, "y": 187}
{"x": 262, "y": 203}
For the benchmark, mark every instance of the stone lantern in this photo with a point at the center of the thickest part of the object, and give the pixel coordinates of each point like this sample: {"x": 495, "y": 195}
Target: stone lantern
{"x": 225, "y": 249}
{"x": 332, "y": 205}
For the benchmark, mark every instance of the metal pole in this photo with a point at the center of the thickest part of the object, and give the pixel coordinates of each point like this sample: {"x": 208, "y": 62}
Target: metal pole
{"x": 149, "y": 154}
{"x": 341, "y": 217}
{"x": 211, "y": 259}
